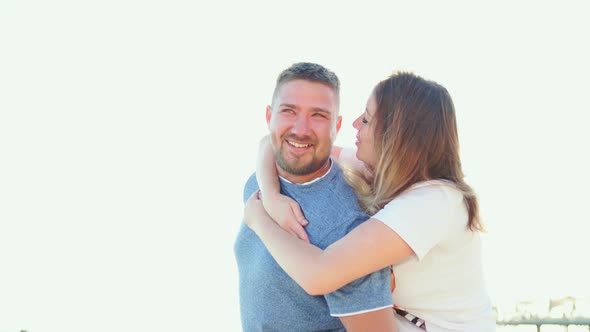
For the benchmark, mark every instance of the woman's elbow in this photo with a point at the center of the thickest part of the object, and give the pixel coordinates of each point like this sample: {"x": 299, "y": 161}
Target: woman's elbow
{"x": 317, "y": 286}
{"x": 314, "y": 291}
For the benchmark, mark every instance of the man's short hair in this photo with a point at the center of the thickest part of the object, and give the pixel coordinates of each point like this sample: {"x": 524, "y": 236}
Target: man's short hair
{"x": 310, "y": 72}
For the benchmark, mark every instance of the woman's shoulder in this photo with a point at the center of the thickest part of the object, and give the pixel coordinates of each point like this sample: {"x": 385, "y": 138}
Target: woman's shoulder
{"x": 425, "y": 214}
{"x": 430, "y": 195}
{"x": 438, "y": 188}
{"x": 435, "y": 184}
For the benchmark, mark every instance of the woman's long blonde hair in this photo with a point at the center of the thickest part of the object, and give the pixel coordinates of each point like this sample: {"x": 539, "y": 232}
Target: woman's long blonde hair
{"x": 415, "y": 140}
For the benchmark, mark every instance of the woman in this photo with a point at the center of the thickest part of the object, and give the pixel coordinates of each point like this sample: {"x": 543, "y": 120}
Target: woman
{"x": 424, "y": 220}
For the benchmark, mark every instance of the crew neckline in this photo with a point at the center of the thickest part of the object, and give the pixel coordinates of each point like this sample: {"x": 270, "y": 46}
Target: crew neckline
{"x": 312, "y": 181}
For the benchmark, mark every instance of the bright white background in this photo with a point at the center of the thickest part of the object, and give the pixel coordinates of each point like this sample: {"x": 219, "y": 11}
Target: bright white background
{"x": 127, "y": 129}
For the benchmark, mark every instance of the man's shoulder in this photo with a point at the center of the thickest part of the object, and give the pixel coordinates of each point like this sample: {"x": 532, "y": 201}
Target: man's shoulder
{"x": 340, "y": 189}
{"x": 250, "y": 186}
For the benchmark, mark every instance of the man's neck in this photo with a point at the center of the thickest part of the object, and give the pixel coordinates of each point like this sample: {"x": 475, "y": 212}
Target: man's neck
{"x": 300, "y": 179}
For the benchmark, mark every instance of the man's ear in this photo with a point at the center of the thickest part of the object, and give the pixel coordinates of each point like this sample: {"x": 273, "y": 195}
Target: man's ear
{"x": 338, "y": 123}
{"x": 268, "y": 115}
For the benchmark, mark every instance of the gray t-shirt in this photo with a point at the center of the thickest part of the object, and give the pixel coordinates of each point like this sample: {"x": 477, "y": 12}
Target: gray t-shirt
{"x": 270, "y": 300}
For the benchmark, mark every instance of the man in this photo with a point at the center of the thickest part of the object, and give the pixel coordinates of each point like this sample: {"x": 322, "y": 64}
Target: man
{"x": 303, "y": 121}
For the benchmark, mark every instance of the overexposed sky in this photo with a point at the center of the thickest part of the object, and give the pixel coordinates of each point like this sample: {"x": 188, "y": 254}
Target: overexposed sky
{"x": 127, "y": 129}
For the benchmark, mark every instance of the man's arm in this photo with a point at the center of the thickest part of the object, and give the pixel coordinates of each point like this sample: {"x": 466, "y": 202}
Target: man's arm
{"x": 375, "y": 321}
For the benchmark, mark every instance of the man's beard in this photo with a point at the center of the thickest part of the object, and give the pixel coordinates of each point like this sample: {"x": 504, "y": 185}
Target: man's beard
{"x": 294, "y": 169}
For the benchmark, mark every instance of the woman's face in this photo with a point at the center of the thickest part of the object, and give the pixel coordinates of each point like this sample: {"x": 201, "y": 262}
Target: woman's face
{"x": 365, "y": 124}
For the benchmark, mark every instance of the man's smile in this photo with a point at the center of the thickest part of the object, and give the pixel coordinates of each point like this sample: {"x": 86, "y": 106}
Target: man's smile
{"x": 299, "y": 145}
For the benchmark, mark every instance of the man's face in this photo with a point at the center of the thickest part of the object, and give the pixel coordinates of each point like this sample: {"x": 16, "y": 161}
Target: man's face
{"x": 303, "y": 123}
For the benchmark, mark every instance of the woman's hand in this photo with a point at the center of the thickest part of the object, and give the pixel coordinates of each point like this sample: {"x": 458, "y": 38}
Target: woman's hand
{"x": 254, "y": 212}
{"x": 286, "y": 212}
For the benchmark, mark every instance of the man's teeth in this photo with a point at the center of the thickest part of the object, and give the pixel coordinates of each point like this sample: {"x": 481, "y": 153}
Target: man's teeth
{"x": 297, "y": 145}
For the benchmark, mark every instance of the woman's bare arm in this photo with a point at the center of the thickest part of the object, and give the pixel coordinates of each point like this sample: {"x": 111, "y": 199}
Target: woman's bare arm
{"x": 335, "y": 153}
{"x": 366, "y": 249}
{"x": 266, "y": 172}
{"x": 284, "y": 210}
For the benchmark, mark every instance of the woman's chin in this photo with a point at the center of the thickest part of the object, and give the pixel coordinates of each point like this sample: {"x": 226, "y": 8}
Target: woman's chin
{"x": 364, "y": 160}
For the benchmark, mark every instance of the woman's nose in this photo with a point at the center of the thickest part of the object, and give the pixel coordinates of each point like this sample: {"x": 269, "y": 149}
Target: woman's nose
{"x": 357, "y": 123}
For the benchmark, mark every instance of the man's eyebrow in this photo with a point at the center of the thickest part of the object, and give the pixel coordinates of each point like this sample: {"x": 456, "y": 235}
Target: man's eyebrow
{"x": 315, "y": 109}
{"x": 322, "y": 110}
{"x": 288, "y": 105}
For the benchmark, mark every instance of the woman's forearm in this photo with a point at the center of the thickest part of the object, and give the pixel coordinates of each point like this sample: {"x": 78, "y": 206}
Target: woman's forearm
{"x": 302, "y": 261}
{"x": 368, "y": 248}
{"x": 266, "y": 171}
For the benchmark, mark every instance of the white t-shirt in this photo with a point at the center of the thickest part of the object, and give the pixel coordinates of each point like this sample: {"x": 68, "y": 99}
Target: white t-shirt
{"x": 443, "y": 282}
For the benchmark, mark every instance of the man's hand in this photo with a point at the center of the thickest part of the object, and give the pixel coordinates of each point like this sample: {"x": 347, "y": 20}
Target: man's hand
{"x": 287, "y": 213}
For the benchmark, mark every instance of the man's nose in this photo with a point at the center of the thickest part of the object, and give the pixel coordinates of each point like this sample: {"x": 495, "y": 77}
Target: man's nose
{"x": 301, "y": 126}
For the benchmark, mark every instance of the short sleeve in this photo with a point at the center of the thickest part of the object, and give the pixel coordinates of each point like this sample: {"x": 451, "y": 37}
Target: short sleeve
{"x": 423, "y": 216}
{"x": 250, "y": 186}
{"x": 369, "y": 293}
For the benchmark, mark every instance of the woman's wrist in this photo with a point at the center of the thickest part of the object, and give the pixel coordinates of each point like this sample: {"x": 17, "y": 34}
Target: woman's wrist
{"x": 261, "y": 226}
{"x": 270, "y": 195}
